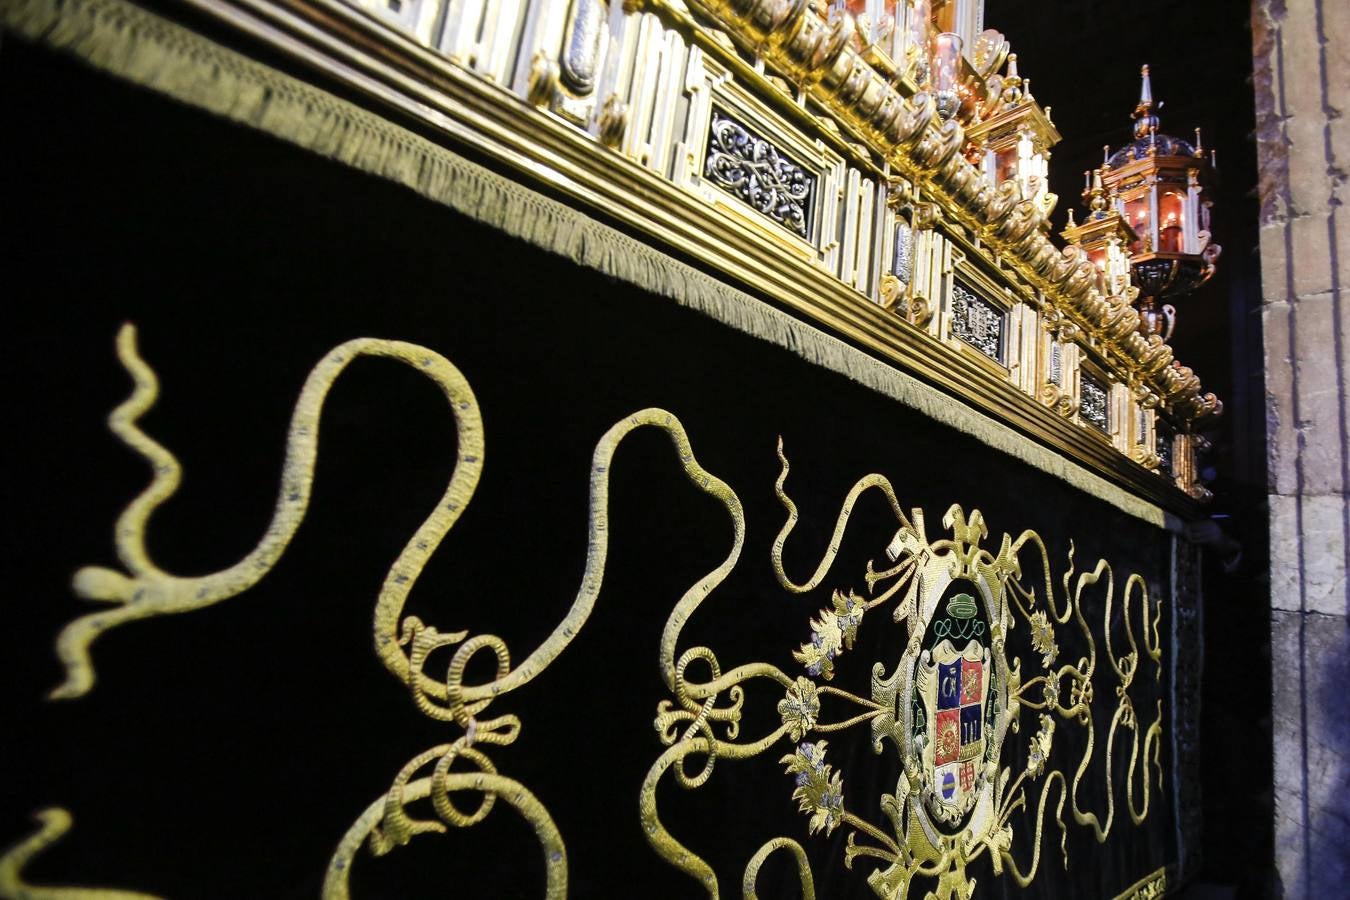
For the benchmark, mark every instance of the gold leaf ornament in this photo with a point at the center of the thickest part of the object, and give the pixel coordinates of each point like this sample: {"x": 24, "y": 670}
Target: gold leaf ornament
{"x": 832, "y": 633}
{"x": 820, "y": 789}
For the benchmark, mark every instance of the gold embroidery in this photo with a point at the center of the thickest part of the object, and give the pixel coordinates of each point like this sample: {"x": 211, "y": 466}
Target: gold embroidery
{"x": 403, "y": 646}
{"x": 146, "y": 590}
{"x": 946, "y": 707}
{"x": 1149, "y": 887}
{"x": 55, "y": 823}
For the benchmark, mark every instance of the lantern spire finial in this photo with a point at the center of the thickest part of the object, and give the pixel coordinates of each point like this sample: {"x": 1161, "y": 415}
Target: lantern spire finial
{"x": 1145, "y": 122}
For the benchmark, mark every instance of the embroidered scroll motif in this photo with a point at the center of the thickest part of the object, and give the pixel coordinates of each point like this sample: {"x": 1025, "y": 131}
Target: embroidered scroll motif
{"x": 406, "y": 645}
{"x": 54, "y": 823}
{"x": 757, "y": 172}
{"x": 946, "y": 705}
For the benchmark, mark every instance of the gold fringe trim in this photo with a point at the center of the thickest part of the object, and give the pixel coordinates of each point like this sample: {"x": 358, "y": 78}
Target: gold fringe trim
{"x": 131, "y": 43}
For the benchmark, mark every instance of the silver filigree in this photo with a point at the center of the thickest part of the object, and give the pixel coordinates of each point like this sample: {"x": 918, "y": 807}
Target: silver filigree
{"x": 1056, "y": 364}
{"x": 977, "y": 322}
{"x": 1092, "y": 402}
{"x": 757, "y": 172}
{"x": 581, "y": 56}
{"x": 1163, "y": 438}
{"x": 903, "y": 265}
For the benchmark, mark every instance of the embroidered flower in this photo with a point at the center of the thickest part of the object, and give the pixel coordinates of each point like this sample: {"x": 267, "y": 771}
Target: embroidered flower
{"x": 800, "y": 708}
{"x": 1051, "y": 689}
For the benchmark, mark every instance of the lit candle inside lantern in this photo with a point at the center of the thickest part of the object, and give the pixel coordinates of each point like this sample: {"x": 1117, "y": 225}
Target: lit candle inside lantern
{"x": 1169, "y": 240}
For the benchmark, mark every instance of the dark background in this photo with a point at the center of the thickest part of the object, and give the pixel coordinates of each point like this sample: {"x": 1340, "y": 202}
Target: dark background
{"x": 1083, "y": 60}
{"x": 225, "y": 751}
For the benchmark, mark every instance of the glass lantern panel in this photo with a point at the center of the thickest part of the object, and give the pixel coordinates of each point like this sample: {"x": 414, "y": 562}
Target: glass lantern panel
{"x": 1006, "y": 162}
{"x": 1172, "y": 218}
{"x": 1137, "y": 213}
{"x": 1098, "y": 258}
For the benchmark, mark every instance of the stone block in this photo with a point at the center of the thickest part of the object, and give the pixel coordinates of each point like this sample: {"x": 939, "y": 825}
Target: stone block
{"x": 1340, "y": 149}
{"x": 1341, "y": 226}
{"x": 1270, "y": 142}
{"x": 1309, "y": 183}
{"x": 1336, "y": 25}
{"x": 1326, "y": 646}
{"x": 1287, "y": 733}
{"x": 1318, "y": 388}
{"x": 1274, "y": 264}
{"x": 1285, "y": 567}
{"x": 1310, "y": 665}
{"x": 1313, "y": 258}
{"x": 1323, "y": 544}
{"x": 1281, "y": 438}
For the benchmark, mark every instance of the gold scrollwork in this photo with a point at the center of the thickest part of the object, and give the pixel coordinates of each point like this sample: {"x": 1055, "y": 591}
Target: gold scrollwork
{"x": 935, "y": 831}
{"x": 405, "y": 644}
{"x": 1150, "y": 887}
{"x": 935, "y": 828}
{"x": 54, "y": 823}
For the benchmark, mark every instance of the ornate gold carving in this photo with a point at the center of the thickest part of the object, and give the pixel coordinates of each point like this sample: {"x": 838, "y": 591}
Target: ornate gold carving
{"x": 613, "y": 121}
{"x": 1144, "y": 456}
{"x": 54, "y": 823}
{"x": 926, "y": 151}
{"x": 920, "y": 310}
{"x": 543, "y": 80}
{"x": 1059, "y": 400}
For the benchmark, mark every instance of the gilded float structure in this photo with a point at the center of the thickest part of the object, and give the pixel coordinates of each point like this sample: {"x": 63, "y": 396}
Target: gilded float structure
{"x": 863, "y": 174}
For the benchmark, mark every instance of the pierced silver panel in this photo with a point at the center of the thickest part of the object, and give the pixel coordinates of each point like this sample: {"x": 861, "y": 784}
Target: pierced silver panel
{"x": 1163, "y": 438}
{"x": 902, "y": 266}
{"x": 749, "y": 167}
{"x": 1056, "y": 374}
{"x": 1092, "y": 402}
{"x": 978, "y": 322}
{"x": 581, "y": 56}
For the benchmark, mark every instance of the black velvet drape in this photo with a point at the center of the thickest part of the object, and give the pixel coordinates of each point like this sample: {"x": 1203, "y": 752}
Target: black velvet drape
{"x": 224, "y": 752}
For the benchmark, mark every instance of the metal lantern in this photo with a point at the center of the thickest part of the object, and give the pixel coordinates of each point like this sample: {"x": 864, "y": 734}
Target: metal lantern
{"x": 1156, "y": 183}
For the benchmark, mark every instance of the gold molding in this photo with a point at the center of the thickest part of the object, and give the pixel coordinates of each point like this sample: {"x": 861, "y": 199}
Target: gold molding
{"x": 408, "y": 82}
{"x": 907, "y": 133}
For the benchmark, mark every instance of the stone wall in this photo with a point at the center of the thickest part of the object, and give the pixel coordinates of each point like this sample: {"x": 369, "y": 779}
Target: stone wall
{"x": 1302, "y": 84}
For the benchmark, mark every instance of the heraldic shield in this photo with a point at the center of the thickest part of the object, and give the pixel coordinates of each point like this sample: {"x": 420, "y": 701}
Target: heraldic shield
{"x": 951, "y": 703}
